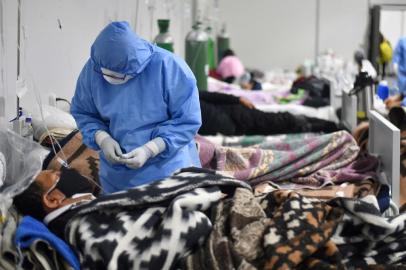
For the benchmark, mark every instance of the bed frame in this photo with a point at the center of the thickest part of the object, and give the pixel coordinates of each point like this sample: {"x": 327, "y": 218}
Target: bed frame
{"x": 384, "y": 141}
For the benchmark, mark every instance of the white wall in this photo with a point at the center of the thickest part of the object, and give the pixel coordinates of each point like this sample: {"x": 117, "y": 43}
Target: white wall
{"x": 57, "y": 36}
{"x": 264, "y": 33}
{"x": 274, "y": 33}
{"x": 343, "y": 26}
{"x": 386, "y": 2}
{"x": 391, "y": 25}
{"x": 56, "y": 41}
{"x": 271, "y": 33}
{"x": 8, "y": 55}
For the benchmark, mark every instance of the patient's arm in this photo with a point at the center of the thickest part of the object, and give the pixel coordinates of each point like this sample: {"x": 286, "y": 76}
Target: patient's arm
{"x": 218, "y": 98}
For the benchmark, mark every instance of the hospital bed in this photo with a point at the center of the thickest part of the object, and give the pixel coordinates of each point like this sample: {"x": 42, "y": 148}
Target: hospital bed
{"x": 383, "y": 141}
{"x": 325, "y": 113}
{"x": 267, "y": 100}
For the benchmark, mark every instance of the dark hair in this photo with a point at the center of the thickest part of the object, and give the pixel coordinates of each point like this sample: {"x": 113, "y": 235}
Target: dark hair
{"x": 30, "y": 201}
{"x": 228, "y": 52}
{"x": 229, "y": 79}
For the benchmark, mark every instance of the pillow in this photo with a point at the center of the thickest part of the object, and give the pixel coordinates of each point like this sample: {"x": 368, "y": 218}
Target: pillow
{"x": 54, "y": 118}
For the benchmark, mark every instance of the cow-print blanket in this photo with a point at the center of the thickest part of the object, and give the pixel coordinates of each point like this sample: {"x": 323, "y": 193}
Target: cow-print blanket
{"x": 284, "y": 230}
{"x": 151, "y": 226}
{"x": 278, "y": 230}
{"x": 364, "y": 237}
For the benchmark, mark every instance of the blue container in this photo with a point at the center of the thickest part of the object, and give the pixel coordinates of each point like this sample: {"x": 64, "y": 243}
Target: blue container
{"x": 382, "y": 91}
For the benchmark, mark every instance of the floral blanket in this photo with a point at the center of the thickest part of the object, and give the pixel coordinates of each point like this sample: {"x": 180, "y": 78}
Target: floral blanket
{"x": 297, "y": 163}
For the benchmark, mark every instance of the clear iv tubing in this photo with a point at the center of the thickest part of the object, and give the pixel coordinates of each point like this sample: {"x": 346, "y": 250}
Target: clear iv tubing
{"x": 39, "y": 103}
{"x": 63, "y": 161}
{"x": 53, "y": 140}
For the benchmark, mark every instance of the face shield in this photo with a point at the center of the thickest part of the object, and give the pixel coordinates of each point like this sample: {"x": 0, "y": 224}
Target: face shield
{"x": 115, "y": 77}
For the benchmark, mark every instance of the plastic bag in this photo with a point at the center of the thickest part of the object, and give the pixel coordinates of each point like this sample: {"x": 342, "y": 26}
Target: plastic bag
{"x": 23, "y": 161}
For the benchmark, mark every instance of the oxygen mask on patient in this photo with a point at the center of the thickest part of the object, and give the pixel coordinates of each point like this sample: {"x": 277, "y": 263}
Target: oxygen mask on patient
{"x": 72, "y": 183}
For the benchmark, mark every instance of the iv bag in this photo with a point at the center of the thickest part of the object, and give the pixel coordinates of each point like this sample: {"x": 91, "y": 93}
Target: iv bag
{"x": 21, "y": 88}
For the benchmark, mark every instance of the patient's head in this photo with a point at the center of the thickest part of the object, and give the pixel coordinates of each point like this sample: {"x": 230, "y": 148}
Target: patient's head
{"x": 52, "y": 190}
{"x": 228, "y": 52}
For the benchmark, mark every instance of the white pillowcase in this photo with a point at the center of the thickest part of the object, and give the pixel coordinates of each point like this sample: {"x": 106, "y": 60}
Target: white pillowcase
{"x": 54, "y": 118}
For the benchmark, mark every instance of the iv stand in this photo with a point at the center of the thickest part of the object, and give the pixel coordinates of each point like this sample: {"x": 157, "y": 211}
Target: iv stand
{"x": 18, "y": 52}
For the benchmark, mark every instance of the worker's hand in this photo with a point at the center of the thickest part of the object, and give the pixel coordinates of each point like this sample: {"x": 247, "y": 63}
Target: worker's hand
{"x": 393, "y": 101}
{"x": 136, "y": 158}
{"x": 111, "y": 150}
{"x": 247, "y": 103}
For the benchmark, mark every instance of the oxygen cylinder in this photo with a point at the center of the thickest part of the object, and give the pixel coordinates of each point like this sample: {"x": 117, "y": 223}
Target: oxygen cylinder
{"x": 164, "y": 39}
{"x": 210, "y": 50}
{"x": 223, "y": 43}
{"x": 196, "y": 55}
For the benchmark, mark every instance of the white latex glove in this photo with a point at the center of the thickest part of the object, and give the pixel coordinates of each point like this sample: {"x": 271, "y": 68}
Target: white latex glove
{"x": 137, "y": 157}
{"x": 110, "y": 147}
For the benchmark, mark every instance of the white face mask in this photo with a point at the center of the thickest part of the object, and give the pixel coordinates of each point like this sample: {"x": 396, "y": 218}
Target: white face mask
{"x": 115, "y": 77}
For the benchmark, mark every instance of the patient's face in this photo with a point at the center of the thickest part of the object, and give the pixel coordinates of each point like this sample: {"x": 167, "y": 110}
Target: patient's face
{"x": 53, "y": 197}
{"x": 48, "y": 179}
{"x": 246, "y": 86}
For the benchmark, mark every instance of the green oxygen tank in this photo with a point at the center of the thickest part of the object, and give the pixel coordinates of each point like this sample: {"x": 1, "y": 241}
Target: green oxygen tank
{"x": 164, "y": 39}
{"x": 211, "y": 50}
{"x": 196, "y": 55}
{"x": 223, "y": 43}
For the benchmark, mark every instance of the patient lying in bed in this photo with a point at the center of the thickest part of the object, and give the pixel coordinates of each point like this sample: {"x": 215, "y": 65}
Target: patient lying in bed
{"x": 150, "y": 227}
{"x": 53, "y": 197}
{"x": 234, "y": 116}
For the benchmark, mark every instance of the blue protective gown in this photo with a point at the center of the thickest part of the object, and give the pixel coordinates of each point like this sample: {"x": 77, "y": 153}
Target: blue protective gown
{"x": 399, "y": 57}
{"x": 160, "y": 101}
